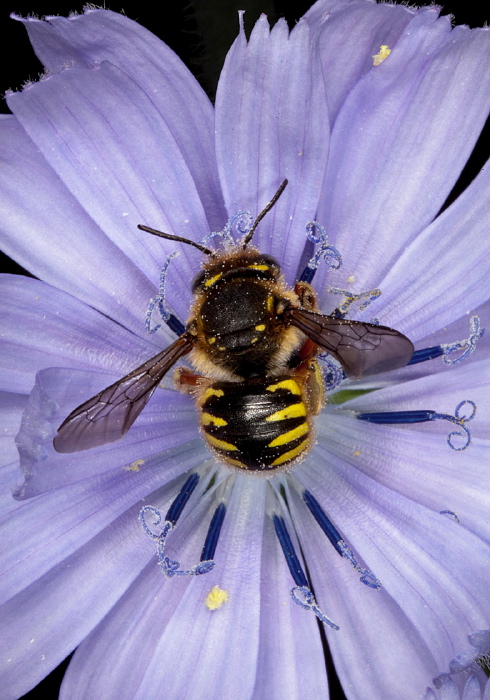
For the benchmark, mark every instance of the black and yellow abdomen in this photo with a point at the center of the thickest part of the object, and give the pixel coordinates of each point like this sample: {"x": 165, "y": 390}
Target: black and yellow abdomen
{"x": 258, "y": 426}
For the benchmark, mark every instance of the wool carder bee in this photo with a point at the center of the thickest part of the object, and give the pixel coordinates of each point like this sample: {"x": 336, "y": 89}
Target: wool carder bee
{"x": 253, "y": 342}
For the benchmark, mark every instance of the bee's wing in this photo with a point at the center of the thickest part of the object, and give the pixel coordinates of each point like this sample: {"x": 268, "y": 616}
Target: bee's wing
{"x": 361, "y": 348}
{"x": 107, "y": 416}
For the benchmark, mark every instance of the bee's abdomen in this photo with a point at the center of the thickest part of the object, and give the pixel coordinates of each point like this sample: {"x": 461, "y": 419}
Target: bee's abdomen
{"x": 259, "y": 426}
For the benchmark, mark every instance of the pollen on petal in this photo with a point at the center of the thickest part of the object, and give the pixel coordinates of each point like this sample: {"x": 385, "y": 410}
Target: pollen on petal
{"x": 216, "y": 598}
{"x": 134, "y": 466}
{"x": 383, "y": 53}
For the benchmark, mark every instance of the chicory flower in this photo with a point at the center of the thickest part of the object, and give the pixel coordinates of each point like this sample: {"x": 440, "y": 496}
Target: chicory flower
{"x": 370, "y": 111}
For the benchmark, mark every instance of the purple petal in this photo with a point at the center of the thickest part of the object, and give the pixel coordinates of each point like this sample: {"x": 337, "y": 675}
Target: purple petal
{"x": 291, "y": 661}
{"x": 272, "y": 123}
{"x": 181, "y": 637}
{"x": 349, "y": 35}
{"x": 38, "y": 632}
{"x": 11, "y": 408}
{"x": 117, "y": 169}
{"x": 445, "y": 270}
{"x": 168, "y": 422}
{"x": 85, "y": 41}
{"x": 51, "y": 236}
{"x": 400, "y": 142}
{"x": 417, "y": 556}
{"x": 42, "y": 326}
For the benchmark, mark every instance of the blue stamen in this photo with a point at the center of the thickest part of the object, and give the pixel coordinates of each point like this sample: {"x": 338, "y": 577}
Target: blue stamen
{"x": 172, "y": 321}
{"x": 425, "y": 354}
{"x": 175, "y": 325}
{"x": 401, "y": 417}
{"x": 451, "y": 513}
{"x": 214, "y": 530}
{"x": 367, "y": 577}
{"x": 298, "y": 574}
{"x": 287, "y": 547}
{"x": 323, "y": 520}
{"x": 397, "y": 417}
{"x": 331, "y": 256}
{"x": 468, "y": 346}
{"x": 178, "y": 505}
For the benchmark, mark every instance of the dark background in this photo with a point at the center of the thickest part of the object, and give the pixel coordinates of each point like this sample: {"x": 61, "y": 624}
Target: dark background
{"x": 200, "y": 31}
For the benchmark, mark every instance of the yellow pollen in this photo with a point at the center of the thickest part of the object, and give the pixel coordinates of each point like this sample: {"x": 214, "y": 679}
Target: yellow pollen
{"x": 221, "y": 444}
{"x": 383, "y": 53}
{"x": 212, "y": 340}
{"x": 216, "y": 598}
{"x": 134, "y": 466}
{"x": 207, "y": 419}
{"x": 260, "y": 327}
{"x": 222, "y": 348}
{"x": 289, "y": 436}
{"x": 288, "y": 384}
{"x": 258, "y": 267}
{"x": 254, "y": 340}
{"x": 356, "y": 453}
{"x": 296, "y": 410}
{"x": 351, "y": 279}
{"x": 292, "y": 454}
{"x": 270, "y": 303}
{"x": 212, "y": 280}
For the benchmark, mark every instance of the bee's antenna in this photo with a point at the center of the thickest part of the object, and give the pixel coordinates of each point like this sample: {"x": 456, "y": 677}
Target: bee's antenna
{"x": 171, "y": 237}
{"x": 264, "y": 211}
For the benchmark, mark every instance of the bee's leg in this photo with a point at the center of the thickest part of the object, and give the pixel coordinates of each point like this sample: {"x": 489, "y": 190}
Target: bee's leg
{"x": 188, "y": 382}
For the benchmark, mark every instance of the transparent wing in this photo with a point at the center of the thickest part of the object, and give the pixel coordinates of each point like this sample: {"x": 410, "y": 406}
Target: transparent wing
{"x": 361, "y": 348}
{"x": 107, "y": 416}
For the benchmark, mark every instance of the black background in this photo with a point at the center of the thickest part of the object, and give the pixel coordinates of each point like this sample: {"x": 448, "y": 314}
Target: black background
{"x": 200, "y": 31}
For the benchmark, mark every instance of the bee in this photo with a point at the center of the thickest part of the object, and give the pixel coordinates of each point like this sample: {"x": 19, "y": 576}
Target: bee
{"x": 253, "y": 342}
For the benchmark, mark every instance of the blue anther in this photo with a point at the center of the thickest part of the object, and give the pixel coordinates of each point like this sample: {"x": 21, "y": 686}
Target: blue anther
{"x": 397, "y": 417}
{"x": 214, "y": 530}
{"x": 178, "y": 505}
{"x": 335, "y": 538}
{"x": 175, "y": 325}
{"x": 322, "y": 519}
{"x": 425, "y": 354}
{"x": 288, "y": 550}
